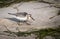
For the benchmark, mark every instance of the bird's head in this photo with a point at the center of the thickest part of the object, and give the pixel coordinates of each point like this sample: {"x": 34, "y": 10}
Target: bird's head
{"x": 30, "y": 16}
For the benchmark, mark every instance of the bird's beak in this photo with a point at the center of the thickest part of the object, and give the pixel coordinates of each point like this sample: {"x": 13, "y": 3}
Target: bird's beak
{"x": 32, "y": 17}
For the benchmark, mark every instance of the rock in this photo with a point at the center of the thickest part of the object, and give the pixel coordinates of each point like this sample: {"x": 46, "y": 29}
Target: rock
{"x": 5, "y": 23}
{"x": 48, "y": 37}
{"x": 41, "y": 14}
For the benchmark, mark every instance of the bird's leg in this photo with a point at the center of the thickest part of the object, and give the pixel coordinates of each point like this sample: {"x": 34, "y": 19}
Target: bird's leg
{"x": 19, "y": 23}
{"x": 27, "y": 22}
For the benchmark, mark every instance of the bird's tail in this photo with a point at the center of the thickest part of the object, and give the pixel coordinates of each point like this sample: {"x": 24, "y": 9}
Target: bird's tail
{"x": 11, "y": 14}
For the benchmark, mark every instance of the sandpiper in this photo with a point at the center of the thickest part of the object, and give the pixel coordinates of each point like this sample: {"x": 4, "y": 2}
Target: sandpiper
{"x": 23, "y": 17}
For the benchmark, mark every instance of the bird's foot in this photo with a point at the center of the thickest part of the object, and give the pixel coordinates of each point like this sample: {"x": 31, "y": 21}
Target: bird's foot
{"x": 19, "y": 24}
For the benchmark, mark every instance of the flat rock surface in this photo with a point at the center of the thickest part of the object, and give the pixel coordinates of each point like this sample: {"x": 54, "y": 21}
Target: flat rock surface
{"x": 41, "y": 12}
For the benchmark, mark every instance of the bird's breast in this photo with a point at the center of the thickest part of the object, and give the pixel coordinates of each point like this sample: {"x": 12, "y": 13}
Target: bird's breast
{"x": 21, "y": 18}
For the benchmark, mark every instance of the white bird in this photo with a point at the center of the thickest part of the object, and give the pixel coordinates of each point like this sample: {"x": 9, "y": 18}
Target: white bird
{"x": 23, "y": 17}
